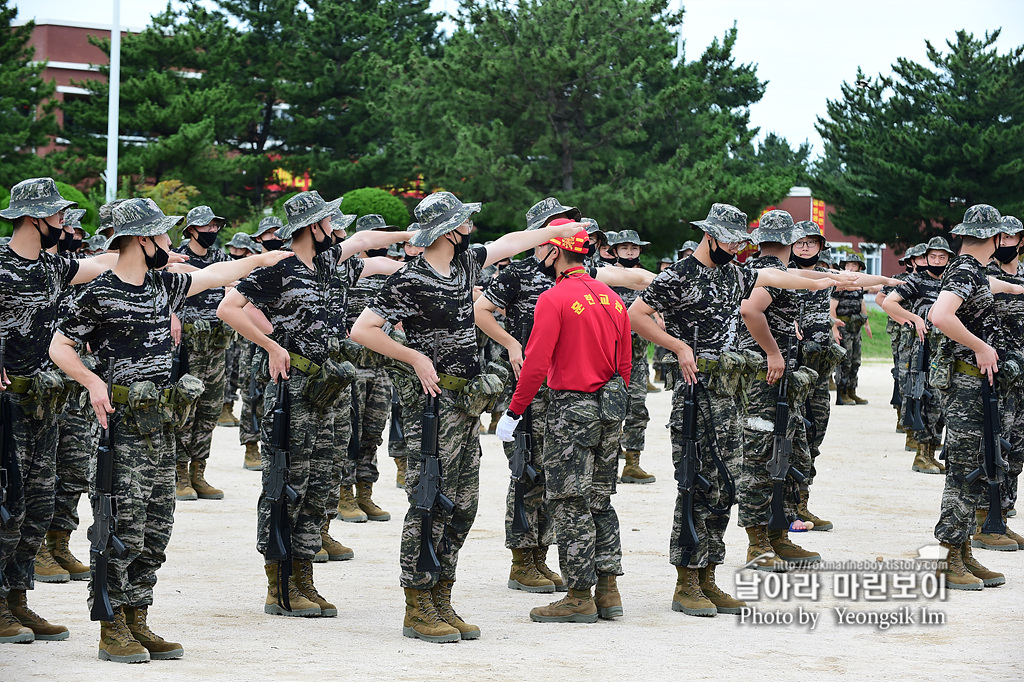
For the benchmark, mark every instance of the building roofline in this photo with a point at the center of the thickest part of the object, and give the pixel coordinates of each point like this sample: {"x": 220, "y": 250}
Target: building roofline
{"x": 77, "y": 24}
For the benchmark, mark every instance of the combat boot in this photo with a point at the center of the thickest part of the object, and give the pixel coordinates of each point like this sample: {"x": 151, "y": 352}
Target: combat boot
{"x": 804, "y": 514}
{"x": 300, "y": 605}
{"x": 576, "y": 607}
{"x": 856, "y": 399}
{"x": 321, "y": 556}
{"x": 183, "y": 490}
{"x": 988, "y": 578}
{"x": 11, "y": 629}
{"x": 688, "y": 597}
{"x": 46, "y": 568}
{"x": 335, "y": 551}
{"x": 761, "y": 553}
{"x": 540, "y": 560}
{"x": 302, "y": 571}
{"x": 17, "y": 601}
{"x": 495, "y": 418}
{"x": 348, "y": 510}
{"x": 204, "y": 490}
{"x": 1016, "y": 537}
{"x": 831, "y": 383}
{"x": 57, "y": 542}
{"x": 117, "y": 643}
{"x": 899, "y": 421}
{"x": 252, "y": 457}
{"x": 930, "y": 453}
{"x": 400, "y": 463}
{"x": 607, "y": 598}
{"x": 651, "y": 388}
{"x": 993, "y": 541}
{"x": 227, "y": 416}
{"x": 911, "y": 444}
{"x": 441, "y": 593}
{"x": 922, "y": 463}
{"x": 159, "y": 648}
{"x": 524, "y": 574}
{"x": 364, "y": 490}
{"x": 789, "y": 551}
{"x": 422, "y": 621}
{"x": 956, "y": 574}
{"x": 631, "y": 471}
{"x": 723, "y": 601}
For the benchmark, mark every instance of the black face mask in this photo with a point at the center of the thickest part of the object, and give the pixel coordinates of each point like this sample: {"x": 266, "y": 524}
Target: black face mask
{"x": 376, "y": 252}
{"x": 68, "y": 243}
{"x": 237, "y": 256}
{"x": 607, "y": 259}
{"x": 720, "y": 256}
{"x": 1006, "y": 254}
{"x": 50, "y": 238}
{"x": 628, "y": 262}
{"x": 462, "y": 245}
{"x": 321, "y": 245}
{"x": 909, "y": 267}
{"x": 548, "y": 270}
{"x": 804, "y": 262}
{"x": 157, "y": 260}
{"x": 272, "y": 244}
{"x": 206, "y": 239}
{"x": 936, "y": 270}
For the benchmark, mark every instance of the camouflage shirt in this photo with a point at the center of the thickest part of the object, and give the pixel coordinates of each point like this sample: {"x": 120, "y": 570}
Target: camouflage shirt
{"x": 781, "y": 313}
{"x": 902, "y": 276}
{"x": 202, "y": 306}
{"x": 362, "y": 294}
{"x": 346, "y": 275}
{"x": 1008, "y": 311}
{"x": 967, "y": 278}
{"x": 628, "y": 296}
{"x": 129, "y": 323}
{"x": 515, "y": 290}
{"x": 817, "y": 320}
{"x": 849, "y": 302}
{"x": 692, "y": 296}
{"x": 30, "y": 296}
{"x": 919, "y": 292}
{"x": 436, "y": 311}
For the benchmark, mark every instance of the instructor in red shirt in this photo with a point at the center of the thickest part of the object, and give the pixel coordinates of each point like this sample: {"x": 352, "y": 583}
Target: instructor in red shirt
{"x": 581, "y": 344}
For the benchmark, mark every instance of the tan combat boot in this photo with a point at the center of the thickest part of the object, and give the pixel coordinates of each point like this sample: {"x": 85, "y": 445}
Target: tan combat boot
{"x": 688, "y": 597}
{"x": 117, "y": 643}
{"x": 760, "y": 551}
{"x": 607, "y": 598}
{"x": 723, "y": 601}
{"x": 11, "y": 629}
{"x": 930, "y": 453}
{"x": 992, "y": 541}
{"x": 204, "y": 490}
{"x": 1016, "y": 537}
{"x": 651, "y": 388}
{"x": 334, "y": 550}
{"x": 422, "y": 621}
{"x": 851, "y": 394}
{"x": 988, "y": 578}
{"x": 631, "y": 471}
{"x": 46, "y": 568}
{"x": 899, "y": 421}
{"x": 923, "y": 463}
{"x": 789, "y": 551}
{"x": 302, "y": 572}
{"x": 159, "y": 648}
{"x": 17, "y": 601}
{"x": 348, "y": 510}
{"x": 495, "y": 418}
{"x": 183, "y": 490}
{"x": 252, "y": 457}
{"x": 57, "y": 542}
{"x": 227, "y": 416}
{"x": 364, "y": 490}
{"x": 524, "y": 574}
{"x": 956, "y": 574}
{"x": 301, "y": 606}
{"x": 576, "y": 607}
{"x": 441, "y": 593}
{"x": 804, "y": 514}
{"x": 540, "y": 559}
{"x": 910, "y": 445}
{"x": 400, "y": 463}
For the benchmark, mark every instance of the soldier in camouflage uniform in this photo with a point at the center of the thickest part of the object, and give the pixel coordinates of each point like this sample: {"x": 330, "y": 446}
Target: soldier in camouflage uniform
{"x": 296, "y": 298}
{"x": 963, "y": 312}
{"x": 898, "y": 328}
{"x": 432, "y": 298}
{"x": 848, "y": 306}
{"x": 686, "y": 250}
{"x": 206, "y": 340}
{"x": 124, "y": 316}
{"x": 239, "y": 351}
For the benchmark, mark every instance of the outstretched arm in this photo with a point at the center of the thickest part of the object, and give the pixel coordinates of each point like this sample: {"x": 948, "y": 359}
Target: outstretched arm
{"x": 630, "y": 278}
{"x": 517, "y": 242}
{"x": 223, "y": 274}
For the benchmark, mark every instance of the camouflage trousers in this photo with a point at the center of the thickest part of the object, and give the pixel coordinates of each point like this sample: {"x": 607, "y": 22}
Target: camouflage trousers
{"x": 195, "y": 436}
{"x": 581, "y": 468}
{"x": 458, "y": 450}
{"x": 311, "y": 449}
{"x": 819, "y": 403}
{"x": 1012, "y": 414}
{"x": 720, "y": 432}
{"x": 251, "y": 360}
{"x": 846, "y": 373}
{"x": 373, "y": 391}
{"x": 635, "y": 425}
{"x": 233, "y": 371}
{"x": 143, "y": 478}
{"x": 754, "y": 485}
{"x": 542, "y": 530}
{"x": 79, "y": 436}
{"x": 343, "y": 467}
{"x": 35, "y": 442}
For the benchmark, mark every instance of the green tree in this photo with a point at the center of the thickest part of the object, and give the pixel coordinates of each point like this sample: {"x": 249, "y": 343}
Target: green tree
{"x": 369, "y": 200}
{"x": 906, "y": 154}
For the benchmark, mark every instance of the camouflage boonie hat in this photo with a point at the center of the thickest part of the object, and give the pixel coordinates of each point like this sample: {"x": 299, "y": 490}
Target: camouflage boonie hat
{"x": 688, "y": 245}
{"x": 269, "y": 224}
{"x": 1011, "y": 225}
{"x": 395, "y": 251}
{"x": 202, "y": 215}
{"x": 342, "y": 221}
{"x": 938, "y": 244}
{"x": 373, "y": 221}
{"x": 809, "y": 228}
{"x": 546, "y": 209}
{"x": 241, "y": 240}
{"x": 628, "y": 237}
{"x": 825, "y": 256}
{"x": 852, "y": 257}
{"x": 667, "y": 260}
{"x": 594, "y": 230}
{"x": 304, "y": 209}
{"x": 106, "y": 212}
{"x": 774, "y": 227}
{"x": 917, "y": 250}
{"x": 73, "y": 218}
{"x": 980, "y": 221}
{"x": 140, "y": 218}
{"x": 96, "y": 242}
{"x": 725, "y": 223}
{"x": 438, "y": 214}
{"x": 35, "y": 198}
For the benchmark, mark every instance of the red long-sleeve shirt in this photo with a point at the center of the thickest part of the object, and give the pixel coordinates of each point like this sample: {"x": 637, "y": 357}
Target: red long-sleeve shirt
{"x": 573, "y": 343}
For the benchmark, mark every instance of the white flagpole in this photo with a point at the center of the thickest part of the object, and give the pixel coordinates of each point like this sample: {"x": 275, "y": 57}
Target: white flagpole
{"x": 114, "y": 104}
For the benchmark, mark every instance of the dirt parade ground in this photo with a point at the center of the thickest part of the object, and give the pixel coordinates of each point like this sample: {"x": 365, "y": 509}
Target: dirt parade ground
{"x": 211, "y": 590}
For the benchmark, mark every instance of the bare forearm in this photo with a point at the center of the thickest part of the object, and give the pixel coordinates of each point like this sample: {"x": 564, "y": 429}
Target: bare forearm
{"x": 647, "y": 327}
{"x": 488, "y": 325}
{"x": 64, "y": 355}
{"x": 757, "y": 323}
{"x": 368, "y": 240}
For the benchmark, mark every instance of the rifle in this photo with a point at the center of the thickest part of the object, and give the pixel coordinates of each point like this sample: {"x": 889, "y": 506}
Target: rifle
{"x": 279, "y": 493}
{"x": 779, "y": 467}
{"x": 687, "y": 473}
{"x": 809, "y": 426}
{"x": 102, "y": 533}
{"x": 179, "y": 363}
{"x": 916, "y": 392}
{"x": 993, "y": 466}
{"x": 840, "y": 384}
{"x": 255, "y": 395}
{"x": 897, "y": 399}
{"x": 427, "y": 495}
{"x": 395, "y": 434}
{"x": 521, "y": 463}
{"x": 353, "y": 440}
{"x": 10, "y": 476}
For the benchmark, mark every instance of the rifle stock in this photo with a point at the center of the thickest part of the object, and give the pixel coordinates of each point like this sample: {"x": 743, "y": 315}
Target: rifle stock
{"x": 779, "y": 466}
{"x": 993, "y": 466}
{"x": 916, "y": 392}
{"x": 687, "y": 473}
{"x": 8, "y": 461}
{"x": 280, "y": 493}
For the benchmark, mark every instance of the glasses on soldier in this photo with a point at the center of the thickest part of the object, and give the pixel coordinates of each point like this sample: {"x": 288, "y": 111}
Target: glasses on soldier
{"x": 805, "y": 243}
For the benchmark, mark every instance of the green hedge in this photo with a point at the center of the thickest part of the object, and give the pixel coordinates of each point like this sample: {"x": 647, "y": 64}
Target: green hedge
{"x": 370, "y": 200}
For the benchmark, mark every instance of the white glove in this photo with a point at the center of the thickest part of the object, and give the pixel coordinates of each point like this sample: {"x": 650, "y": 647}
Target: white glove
{"x": 506, "y": 427}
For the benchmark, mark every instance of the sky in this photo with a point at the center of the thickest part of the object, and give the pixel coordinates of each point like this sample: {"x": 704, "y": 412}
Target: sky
{"x": 805, "y": 49}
